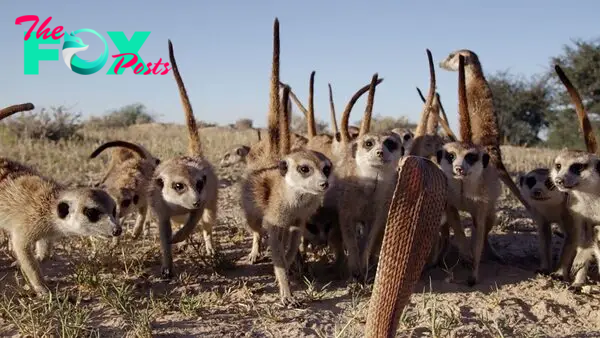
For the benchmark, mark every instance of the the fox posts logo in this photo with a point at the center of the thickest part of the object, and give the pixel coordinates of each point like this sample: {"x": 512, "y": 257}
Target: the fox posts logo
{"x": 128, "y": 56}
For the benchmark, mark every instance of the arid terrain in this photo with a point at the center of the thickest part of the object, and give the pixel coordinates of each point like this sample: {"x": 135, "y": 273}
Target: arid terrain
{"x": 119, "y": 293}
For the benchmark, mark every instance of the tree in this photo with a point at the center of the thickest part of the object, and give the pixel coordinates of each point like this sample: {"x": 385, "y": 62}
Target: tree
{"x": 521, "y": 106}
{"x": 581, "y": 63}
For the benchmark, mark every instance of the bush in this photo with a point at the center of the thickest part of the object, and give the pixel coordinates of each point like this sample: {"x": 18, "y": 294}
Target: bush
{"x": 124, "y": 117}
{"x": 387, "y": 123}
{"x": 54, "y": 124}
{"x": 243, "y": 124}
{"x": 300, "y": 126}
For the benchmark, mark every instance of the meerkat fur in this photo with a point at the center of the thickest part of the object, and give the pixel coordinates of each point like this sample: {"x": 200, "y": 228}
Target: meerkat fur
{"x": 184, "y": 187}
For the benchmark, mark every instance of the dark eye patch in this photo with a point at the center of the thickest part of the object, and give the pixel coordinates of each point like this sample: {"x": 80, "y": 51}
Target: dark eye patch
{"x": 530, "y": 182}
{"x": 136, "y": 199}
{"x": 304, "y": 170}
{"x": 557, "y": 166}
{"x": 390, "y": 145}
{"x": 326, "y": 170}
{"x": 312, "y": 228}
{"x": 92, "y": 214}
{"x": 368, "y": 144}
{"x": 471, "y": 158}
{"x": 406, "y": 137}
{"x": 200, "y": 183}
{"x": 226, "y": 156}
{"x": 125, "y": 203}
{"x": 577, "y": 168}
{"x": 450, "y": 157}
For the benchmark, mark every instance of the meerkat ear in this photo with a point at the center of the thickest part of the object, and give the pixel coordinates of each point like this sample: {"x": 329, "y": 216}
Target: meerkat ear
{"x": 241, "y": 151}
{"x": 283, "y": 167}
{"x": 485, "y": 159}
{"x": 521, "y": 177}
{"x": 438, "y": 156}
{"x": 62, "y": 210}
{"x": 159, "y": 182}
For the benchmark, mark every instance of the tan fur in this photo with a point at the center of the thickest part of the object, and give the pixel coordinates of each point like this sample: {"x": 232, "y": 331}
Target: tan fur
{"x": 444, "y": 118}
{"x": 184, "y": 186}
{"x": 284, "y": 190}
{"x": 552, "y": 207}
{"x": 473, "y": 186}
{"x": 35, "y": 210}
{"x": 482, "y": 115}
{"x": 237, "y": 154}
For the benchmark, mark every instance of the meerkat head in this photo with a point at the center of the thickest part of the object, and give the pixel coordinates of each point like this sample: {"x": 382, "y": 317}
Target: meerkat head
{"x": 306, "y": 172}
{"x": 235, "y": 155}
{"x": 462, "y": 162}
{"x": 87, "y": 212}
{"x": 353, "y": 131}
{"x": 376, "y": 152}
{"x": 181, "y": 185}
{"x": 451, "y": 61}
{"x": 576, "y": 171}
{"x": 406, "y": 137}
{"x": 537, "y": 186}
{"x": 124, "y": 198}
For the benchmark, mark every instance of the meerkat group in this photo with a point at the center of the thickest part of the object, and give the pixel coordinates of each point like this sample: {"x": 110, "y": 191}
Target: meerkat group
{"x": 332, "y": 189}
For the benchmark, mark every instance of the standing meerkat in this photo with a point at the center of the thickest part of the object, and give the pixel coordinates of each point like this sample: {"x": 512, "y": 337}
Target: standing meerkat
{"x": 484, "y": 121}
{"x": 183, "y": 188}
{"x": 473, "y": 185}
{"x": 127, "y": 181}
{"x": 286, "y": 190}
{"x": 365, "y": 171}
{"x": 35, "y": 210}
{"x": 551, "y": 204}
{"x": 578, "y": 174}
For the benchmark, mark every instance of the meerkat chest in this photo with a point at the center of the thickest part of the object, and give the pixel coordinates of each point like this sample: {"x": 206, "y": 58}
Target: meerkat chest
{"x": 586, "y": 205}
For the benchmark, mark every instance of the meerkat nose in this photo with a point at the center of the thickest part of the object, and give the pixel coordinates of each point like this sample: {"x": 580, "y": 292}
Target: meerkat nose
{"x": 324, "y": 185}
{"x": 197, "y": 204}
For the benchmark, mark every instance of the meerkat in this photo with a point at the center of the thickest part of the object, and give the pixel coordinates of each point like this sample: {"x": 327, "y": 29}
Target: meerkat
{"x": 578, "y": 174}
{"x": 406, "y": 136}
{"x": 127, "y": 181}
{"x": 364, "y": 172}
{"x": 35, "y": 210}
{"x": 444, "y": 118}
{"x": 237, "y": 154}
{"x": 375, "y": 232}
{"x": 483, "y": 117}
{"x": 551, "y": 203}
{"x": 183, "y": 188}
{"x": 287, "y": 190}
{"x": 121, "y": 154}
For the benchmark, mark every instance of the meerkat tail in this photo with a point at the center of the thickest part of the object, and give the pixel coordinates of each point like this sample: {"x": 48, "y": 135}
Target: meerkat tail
{"x": 284, "y": 123}
{"x": 118, "y": 143}
{"x": 365, "y": 124}
{"x": 421, "y": 127}
{"x": 332, "y": 111}
{"x": 195, "y": 147}
{"x": 258, "y": 134}
{"x": 296, "y": 101}
{"x": 414, "y": 217}
{"x": 433, "y": 121}
{"x": 421, "y": 95}
{"x": 274, "y": 103}
{"x": 17, "y": 108}
{"x": 584, "y": 121}
{"x": 466, "y": 134}
{"x": 345, "y": 134}
{"x": 310, "y": 118}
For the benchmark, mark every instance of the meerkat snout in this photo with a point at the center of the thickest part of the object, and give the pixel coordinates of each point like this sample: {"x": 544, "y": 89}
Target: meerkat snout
{"x": 88, "y": 212}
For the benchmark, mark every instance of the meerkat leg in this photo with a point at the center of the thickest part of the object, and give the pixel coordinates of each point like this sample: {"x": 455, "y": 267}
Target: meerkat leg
{"x": 209, "y": 218}
{"x": 490, "y": 252}
{"x": 572, "y": 232}
{"x": 166, "y": 240}
{"x": 463, "y": 245}
{"x": 583, "y": 256}
{"x": 375, "y": 237}
{"x": 43, "y": 249}
{"x": 140, "y": 221}
{"x": 545, "y": 246}
{"x": 350, "y": 240}
{"x": 28, "y": 263}
{"x": 480, "y": 235}
{"x": 277, "y": 240}
{"x": 188, "y": 227}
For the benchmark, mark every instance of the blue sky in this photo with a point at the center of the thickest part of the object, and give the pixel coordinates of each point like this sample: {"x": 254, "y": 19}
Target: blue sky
{"x": 223, "y": 49}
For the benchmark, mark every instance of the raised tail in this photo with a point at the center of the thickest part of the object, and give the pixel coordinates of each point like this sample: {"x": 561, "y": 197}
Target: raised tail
{"x": 332, "y": 111}
{"x": 466, "y": 135}
{"x": 345, "y": 134}
{"x": 124, "y": 144}
{"x": 17, "y": 108}
{"x": 421, "y": 127}
{"x": 194, "y": 146}
{"x": 365, "y": 124}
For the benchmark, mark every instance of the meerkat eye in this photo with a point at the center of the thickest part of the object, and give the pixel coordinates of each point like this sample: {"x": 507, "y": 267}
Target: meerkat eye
{"x": 557, "y": 166}
{"x": 125, "y": 203}
{"x": 303, "y": 169}
{"x": 326, "y": 170}
{"x": 368, "y": 144}
{"x": 530, "y": 181}
{"x": 549, "y": 184}
{"x": 178, "y": 186}
{"x": 471, "y": 158}
{"x": 450, "y": 157}
{"x": 93, "y": 214}
{"x": 406, "y": 137}
{"x": 577, "y": 168}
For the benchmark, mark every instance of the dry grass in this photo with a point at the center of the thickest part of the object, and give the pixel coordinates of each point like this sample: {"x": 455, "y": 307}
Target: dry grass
{"x": 117, "y": 293}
